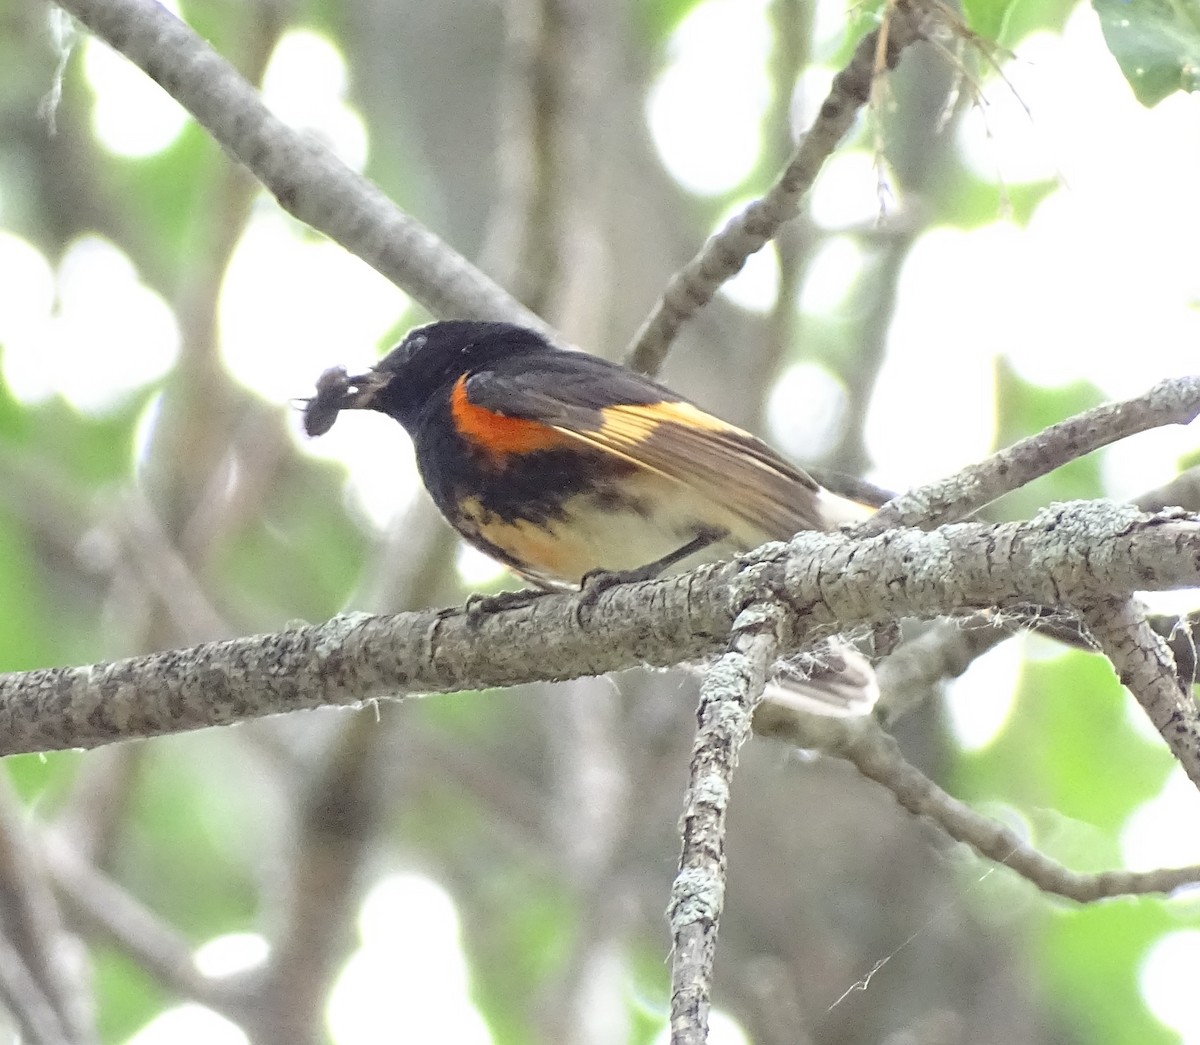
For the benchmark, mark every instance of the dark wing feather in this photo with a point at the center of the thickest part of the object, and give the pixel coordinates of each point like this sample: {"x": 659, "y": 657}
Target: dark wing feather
{"x": 609, "y": 408}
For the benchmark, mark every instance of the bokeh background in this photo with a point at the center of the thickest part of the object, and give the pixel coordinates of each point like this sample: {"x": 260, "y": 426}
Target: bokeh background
{"x": 1008, "y": 237}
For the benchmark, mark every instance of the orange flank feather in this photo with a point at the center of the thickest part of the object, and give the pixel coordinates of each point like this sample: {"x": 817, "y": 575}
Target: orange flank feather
{"x": 496, "y": 434}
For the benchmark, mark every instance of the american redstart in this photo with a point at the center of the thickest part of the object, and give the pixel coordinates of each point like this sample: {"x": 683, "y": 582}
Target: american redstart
{"x": 567, "y": 467}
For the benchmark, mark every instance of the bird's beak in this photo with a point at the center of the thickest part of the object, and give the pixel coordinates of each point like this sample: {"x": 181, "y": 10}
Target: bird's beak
{"x": 359, "y": 392}
{"x": 337, "y": 391}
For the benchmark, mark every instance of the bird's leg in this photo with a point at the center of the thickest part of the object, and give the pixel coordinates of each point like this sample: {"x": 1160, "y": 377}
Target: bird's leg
{"x": 479, "y": 606}
{"x": 596, "y": 582}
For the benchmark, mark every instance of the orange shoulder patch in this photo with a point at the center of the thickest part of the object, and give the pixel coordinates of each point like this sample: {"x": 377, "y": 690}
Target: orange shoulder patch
{"x": 496, "y": 434}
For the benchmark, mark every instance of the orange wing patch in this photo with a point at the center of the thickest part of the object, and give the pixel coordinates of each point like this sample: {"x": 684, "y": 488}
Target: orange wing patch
{"x": 496, "y": 434}
{"x": 631, "y": 424}
{"x": 716, "y": 460}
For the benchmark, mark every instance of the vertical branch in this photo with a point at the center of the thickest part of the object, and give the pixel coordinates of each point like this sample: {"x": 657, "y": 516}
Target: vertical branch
{"x": 1145, "y": 664}
{"x": 791, "y": 37}
{"x": 194, "y": 435}
{"x": 590, "y": 811}
{"x": 545, "y": 239}
{"x": 339, "y": 814}
{"x": 557, "y": 166}
{"x": 732, "y": 689}
{"x": 27, "y": 1004}
{"x": 42, "y": 962}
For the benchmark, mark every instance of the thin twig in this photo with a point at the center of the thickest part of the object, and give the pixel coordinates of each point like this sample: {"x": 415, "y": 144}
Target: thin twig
{"x": 1175, "y": 401}
{"x": 731, "y": 690}
{"x": 723, "y": 256}
{"x": 103, "y": 908}
{"x": 877, "y": 756}
{"x": 946, "y": 649}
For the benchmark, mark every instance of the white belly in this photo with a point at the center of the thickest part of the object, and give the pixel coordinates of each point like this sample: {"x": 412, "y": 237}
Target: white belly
{"x": 600, "y": 532}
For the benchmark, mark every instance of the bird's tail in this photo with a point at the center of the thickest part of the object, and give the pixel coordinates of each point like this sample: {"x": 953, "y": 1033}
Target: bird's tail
{"x": 834, "y": 679}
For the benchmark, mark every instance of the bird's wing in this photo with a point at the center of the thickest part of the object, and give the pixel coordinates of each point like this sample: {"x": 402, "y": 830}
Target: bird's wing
{"x": 614, "y": 411}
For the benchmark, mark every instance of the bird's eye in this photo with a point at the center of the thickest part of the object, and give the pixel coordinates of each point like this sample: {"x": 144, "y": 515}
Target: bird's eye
{"x": 402, "y": 354}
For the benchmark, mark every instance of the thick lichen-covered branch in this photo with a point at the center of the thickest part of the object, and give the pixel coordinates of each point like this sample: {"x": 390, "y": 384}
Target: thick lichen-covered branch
{"x": 1069, "y": 555}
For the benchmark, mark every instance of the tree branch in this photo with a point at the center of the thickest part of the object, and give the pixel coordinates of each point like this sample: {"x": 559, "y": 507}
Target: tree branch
{"x": 1175, "y": 401}
{"x": 830, "y": 581}
{"x": 1146, "y": 666}
{"x": 876, "y": 755}
{"x": 723, "y": 256}
{"x": 307, "y": 179}
{"x": 732, "y": 688}
{"x": 31, "y": 928}
{"x": 103, "y": 908}
{"x": 23, "y": 997}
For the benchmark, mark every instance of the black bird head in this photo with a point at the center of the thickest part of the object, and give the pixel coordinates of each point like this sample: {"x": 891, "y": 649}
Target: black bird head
{"x": 428, "y": 358}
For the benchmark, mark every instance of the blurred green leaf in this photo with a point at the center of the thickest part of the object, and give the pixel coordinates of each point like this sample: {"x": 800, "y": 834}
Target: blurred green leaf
{"x": 1189, "y": 460}
{"x": 127, "y": 997}
{"x": 1070, "y": 747}
{"x": 524, "y": 950}
{"x": 41, "y": 780}
{"x": 1071, "y": 761}
{"x": 26, "y": 639}
{"x": 1089, "y": 959}
{"x": 650, "y": 991}
{"x": 467, "y": 717}
{"x": 987, "y": 17}
{"x": 1155, "y": 42}
{"x": 971, "y": 202}
{"x": 1029, "y": 16}
{"x": 190, "y": 848}
{"x": 94, "y": 450}
{"x": 170, "y": 188}
{"x": 12, "y": 413}
{"x": 301, "y": 557}
{"x": 659, "y": 18}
